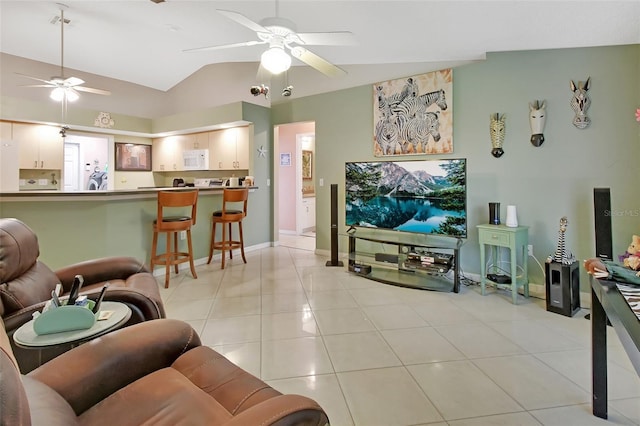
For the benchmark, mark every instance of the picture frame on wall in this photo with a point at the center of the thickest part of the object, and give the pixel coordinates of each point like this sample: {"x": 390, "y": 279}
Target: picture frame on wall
{"x": 133, "y": 157}
{"x": 307, "y": 164}
{"x": 414, "y": 115}
{"x": 285, "y": 158}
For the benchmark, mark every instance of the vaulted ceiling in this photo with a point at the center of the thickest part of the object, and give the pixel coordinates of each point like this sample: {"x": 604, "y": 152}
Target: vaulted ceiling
{"x": 141, "y": 42}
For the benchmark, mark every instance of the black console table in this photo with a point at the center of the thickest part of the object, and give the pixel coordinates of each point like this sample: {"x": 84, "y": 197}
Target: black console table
{"x": 606, "y": 301}
{"x": 406, "y": 259}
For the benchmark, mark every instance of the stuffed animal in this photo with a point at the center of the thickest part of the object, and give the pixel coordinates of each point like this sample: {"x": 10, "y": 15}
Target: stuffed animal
{"x": 631, "y": 259}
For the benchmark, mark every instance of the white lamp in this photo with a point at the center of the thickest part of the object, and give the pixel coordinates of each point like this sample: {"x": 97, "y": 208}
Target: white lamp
{"x": 276, "y": 60}
{"x": 57, "y": 94}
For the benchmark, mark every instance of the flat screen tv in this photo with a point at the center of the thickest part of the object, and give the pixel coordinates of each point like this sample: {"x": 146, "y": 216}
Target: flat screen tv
{"x": 427, "y": 196}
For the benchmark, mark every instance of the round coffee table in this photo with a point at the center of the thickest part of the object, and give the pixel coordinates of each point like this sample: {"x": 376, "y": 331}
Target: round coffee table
{"x": 26, "y": 337}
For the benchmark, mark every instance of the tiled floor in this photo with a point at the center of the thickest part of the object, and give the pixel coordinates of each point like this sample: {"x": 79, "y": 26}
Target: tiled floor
{"x": 374, "y": 354}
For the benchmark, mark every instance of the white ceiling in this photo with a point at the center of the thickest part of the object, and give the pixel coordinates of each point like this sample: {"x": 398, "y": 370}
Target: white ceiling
{"x": 141, "y": 42}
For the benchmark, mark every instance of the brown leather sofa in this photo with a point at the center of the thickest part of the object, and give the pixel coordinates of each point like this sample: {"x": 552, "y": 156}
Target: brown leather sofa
{"x": 26, "y": 285}
{"x": 155, "y": 372}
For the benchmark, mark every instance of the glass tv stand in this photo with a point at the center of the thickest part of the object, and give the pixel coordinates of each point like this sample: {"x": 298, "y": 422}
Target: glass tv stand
{"x": 425, "y": 261}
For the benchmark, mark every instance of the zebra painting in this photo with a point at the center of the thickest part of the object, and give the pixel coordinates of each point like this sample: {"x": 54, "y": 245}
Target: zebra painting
{"x": 412, "y": 116}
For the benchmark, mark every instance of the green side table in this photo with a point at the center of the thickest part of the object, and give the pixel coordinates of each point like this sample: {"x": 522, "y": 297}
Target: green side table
{"x": 516, "y": 240}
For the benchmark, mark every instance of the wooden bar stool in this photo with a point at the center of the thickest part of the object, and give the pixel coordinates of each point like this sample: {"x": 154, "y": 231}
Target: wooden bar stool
{"x": 228, "y": 215}
{"x": 172, "y": 225}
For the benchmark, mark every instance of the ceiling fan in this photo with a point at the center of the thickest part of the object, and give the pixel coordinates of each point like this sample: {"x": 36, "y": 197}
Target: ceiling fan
{"x": 281, "y": 36}
{"x": 64, "y": 89}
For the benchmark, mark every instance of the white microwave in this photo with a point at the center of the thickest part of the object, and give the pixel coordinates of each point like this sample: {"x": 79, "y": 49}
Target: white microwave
{"x": 195, "y": 159}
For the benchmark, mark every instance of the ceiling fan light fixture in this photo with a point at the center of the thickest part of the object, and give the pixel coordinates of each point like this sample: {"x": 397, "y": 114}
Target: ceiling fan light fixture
{"x": 275, "y": 60}
{"x": 61, "y": 93}
{"x": 57, "y": 94}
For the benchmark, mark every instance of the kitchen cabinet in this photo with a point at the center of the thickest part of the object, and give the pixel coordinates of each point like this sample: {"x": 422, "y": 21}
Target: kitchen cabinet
{"x": 167, "y": 152}
{"x": 229, "y": 149}
{"x": 163, "y": 153}
{"x": 40, "y": 146}
{"x": 9, "y": 157}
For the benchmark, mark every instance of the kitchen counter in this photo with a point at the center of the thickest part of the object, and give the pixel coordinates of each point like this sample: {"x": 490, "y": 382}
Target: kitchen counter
{"x": 113, "y": 194}
{"x": 76, "y": 226}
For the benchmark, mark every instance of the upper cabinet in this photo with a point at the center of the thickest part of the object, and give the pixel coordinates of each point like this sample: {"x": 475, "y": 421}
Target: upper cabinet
{"x": 229, "y": 149}
{"x": 40, "y": 146}
{"x": 164, "y": 153}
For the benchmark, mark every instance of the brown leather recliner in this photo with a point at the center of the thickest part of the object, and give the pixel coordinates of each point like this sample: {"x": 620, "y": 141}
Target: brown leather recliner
{"x": 154, "y": 372}
{"x": 26, "y": 285}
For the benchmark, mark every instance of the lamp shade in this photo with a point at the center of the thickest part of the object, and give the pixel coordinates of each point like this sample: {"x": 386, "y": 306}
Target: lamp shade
{"x": 276, "y": 60}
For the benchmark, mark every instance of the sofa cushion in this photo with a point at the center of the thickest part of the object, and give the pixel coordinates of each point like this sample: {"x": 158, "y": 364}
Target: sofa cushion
{"x": 231, "y": 386}
{"x": 47, "y": 407}
{"x": 18, "y": 249}
{"x": 164, "y": 397}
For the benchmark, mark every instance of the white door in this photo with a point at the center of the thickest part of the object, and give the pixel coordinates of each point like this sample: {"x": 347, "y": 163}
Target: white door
{"x": 71, "y": 167}
{"x": 304, "y": 141}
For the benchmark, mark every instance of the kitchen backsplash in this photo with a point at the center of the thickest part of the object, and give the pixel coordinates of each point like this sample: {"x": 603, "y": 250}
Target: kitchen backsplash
{"x": 38, "y": 180}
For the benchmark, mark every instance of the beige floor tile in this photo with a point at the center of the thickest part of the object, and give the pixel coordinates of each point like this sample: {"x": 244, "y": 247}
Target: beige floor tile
{"x": 284, "y": 302}
{"x": 443, "y": 313}
{"x": 533, "y": 336}
{"x": 236, "y": 306}
{"x": 578, "y": 415}
{"x": 331, "y": 299}
{"x": 478, "y": 340}
{"x": 511, "y": 419}
{"x": 322, "y": 388}
{"x": 304, "y": 356}
{"x": 533, "y": 384}
{"x": 455, "y": 388}
{"x": 359, "y": 351}
{"x": 188, "y": 309}
{"x": 221, "y": 331}
{"x": 389, "y": 317}
{"x": 340, "y": 321}
{"x": 421, "y": 345}
{"x": 394, "y": 398}
{"x": 288, "y": 325}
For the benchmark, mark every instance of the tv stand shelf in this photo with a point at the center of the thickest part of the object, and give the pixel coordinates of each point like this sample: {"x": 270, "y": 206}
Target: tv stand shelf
{"x": 424, "y": 261}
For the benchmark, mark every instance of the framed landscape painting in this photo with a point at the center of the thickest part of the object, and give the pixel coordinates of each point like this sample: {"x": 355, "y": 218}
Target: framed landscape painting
{"x": 414, "y": 115}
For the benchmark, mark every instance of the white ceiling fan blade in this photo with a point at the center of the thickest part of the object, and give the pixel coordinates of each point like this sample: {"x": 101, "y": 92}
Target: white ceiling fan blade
{"x": 225, "y": 46}
{"x": 72, "y": 81}
{"x": 91, "y": 90}
{"x": 336, "y": 38}
{"x": 315, "y": 61}
{"x": 243, "y": 20}
{"x": 35, "y": 78}
{"x": 37, "y": 85}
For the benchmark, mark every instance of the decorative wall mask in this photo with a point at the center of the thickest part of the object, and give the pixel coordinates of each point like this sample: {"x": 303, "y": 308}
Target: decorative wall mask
{"x": 580, "y": 103}
{"x": 537, "y": 119}
{"x": 497, "y": 130}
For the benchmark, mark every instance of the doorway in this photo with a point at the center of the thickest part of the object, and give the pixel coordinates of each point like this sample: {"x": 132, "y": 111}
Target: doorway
{"x": 295, "y": 218}
{"x": 85, "y": 158}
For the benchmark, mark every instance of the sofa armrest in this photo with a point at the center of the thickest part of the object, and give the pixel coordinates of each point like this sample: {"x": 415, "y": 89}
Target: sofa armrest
{"x": 99, "y": 270}
{"x": 283, "y": 409}
{"x": 89, "y": 373}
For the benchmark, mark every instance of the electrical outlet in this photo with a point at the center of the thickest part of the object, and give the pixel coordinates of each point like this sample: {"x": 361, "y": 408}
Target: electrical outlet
{"x": 183, "y": 235}
{"x": 530, "y": 248}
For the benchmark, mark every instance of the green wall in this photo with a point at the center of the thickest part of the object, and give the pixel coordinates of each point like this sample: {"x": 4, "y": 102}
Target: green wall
{"x": 545, "y": 183}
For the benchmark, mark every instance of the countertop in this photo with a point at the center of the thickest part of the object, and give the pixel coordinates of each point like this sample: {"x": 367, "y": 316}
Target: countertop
{"x": 111, "y": 194}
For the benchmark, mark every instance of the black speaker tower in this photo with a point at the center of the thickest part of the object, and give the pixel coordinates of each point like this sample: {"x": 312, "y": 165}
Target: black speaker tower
{"x": 334, "y": 227}
{"x": 602, "y": 213}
